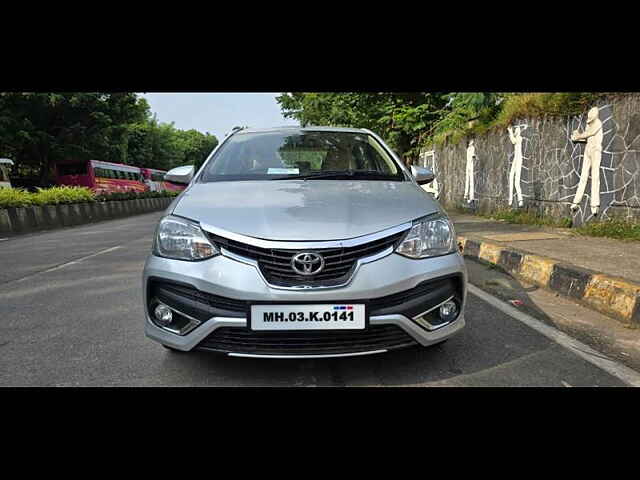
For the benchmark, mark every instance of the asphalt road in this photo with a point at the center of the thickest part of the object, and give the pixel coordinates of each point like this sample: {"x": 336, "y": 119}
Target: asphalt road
{"x": 71, "y": 315}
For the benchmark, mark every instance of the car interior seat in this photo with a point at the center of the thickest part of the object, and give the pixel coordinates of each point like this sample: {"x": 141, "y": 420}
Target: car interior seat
{"x": 337, "y": 160}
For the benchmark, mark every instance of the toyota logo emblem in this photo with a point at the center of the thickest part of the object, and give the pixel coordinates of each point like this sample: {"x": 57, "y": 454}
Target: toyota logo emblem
{"x": 307, "y": 263}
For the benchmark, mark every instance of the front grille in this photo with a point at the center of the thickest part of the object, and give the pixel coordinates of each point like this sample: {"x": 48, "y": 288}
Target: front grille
{"x": 275, "y": 264}
{"x": 242, "y": 340}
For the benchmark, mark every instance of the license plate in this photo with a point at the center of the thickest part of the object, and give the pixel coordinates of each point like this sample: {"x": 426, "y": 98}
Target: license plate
{"x": 308, "y": 317}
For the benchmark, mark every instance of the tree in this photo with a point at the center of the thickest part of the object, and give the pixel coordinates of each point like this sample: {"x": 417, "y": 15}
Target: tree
{"x": 401, "y": 119}
{"x": 37, "y": 129}
{"x": 161, "y": 145}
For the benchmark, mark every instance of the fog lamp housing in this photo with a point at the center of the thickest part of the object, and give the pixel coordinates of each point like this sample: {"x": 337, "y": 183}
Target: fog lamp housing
{"x": 170, "y": 319}
{"x": 448, "y": 311}
{"x": 440, "y": 315}
{"x": 163, "y": 315}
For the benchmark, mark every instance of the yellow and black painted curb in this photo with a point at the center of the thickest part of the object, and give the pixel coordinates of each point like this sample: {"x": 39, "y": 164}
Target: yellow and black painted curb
{"x": 615, "y": 297}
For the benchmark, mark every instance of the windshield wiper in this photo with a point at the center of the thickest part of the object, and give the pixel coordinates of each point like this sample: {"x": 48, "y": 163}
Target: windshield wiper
{"x": 337, "y": 174}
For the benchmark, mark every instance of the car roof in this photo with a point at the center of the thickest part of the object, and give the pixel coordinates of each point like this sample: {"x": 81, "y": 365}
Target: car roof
{"x": 311, "y": 128}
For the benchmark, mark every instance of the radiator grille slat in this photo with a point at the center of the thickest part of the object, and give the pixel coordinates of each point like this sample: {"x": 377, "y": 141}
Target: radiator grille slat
{"x": 275, "y": 264}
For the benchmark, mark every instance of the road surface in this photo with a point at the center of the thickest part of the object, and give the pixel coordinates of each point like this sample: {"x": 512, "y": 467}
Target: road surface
{"x": 71, "y": 315}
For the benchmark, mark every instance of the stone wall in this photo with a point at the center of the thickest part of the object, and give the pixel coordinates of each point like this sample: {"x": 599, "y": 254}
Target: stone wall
{"x": 551, "y": 165}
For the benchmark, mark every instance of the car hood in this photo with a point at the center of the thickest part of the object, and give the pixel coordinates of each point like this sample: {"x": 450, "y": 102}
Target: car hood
{"x": 304, "y": 210}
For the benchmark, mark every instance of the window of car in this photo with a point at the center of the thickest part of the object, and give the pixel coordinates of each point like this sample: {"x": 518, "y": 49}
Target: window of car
{"x": 309, "y": 154}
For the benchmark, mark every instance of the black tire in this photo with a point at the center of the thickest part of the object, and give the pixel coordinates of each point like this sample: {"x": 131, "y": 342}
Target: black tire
{"x": 173, "y": 350}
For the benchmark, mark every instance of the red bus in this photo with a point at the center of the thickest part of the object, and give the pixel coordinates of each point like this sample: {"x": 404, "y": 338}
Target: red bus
{"x": 156, "y": 182}
{"x": 107, "y": 177}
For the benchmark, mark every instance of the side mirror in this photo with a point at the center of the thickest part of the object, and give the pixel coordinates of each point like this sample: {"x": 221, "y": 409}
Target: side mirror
{"x": 422, "y": 175}
{"x": 180, "y": 174}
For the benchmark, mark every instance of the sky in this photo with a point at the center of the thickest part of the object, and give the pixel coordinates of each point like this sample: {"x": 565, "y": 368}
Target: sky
{"x": 217, "y": 113}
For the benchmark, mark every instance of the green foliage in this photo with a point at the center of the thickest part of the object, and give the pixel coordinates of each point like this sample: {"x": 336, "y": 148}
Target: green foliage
{"x": 472, "y": 117}
{"x": 466, "y": 111}
{"x": 161, "y": 145}
{"x": 615, "y": 228}
{"x": 63, "y": 194}
{"x": 402, "y": 119}
{"x": 521, "y": 105}
{"x": 14, "y": 197}
{"x": 524, "y": 217}
{"x": 411, "y": 121}
{"x": 38, "y": 129}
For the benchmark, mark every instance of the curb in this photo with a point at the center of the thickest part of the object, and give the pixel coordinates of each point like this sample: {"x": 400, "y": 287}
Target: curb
{"x": 21, "y": 220}
{"x": 612, "y": 296}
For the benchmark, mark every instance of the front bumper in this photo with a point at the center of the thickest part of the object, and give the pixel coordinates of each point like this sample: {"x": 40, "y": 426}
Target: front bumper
{"x": 224, "y": 277}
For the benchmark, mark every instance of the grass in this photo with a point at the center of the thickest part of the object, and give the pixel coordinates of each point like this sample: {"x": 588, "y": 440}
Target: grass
{"x": 523, "y": 217}
{"x": 518, "y": 106}
{"x": 614, "y": 228}
{"x": 619, "y": 229}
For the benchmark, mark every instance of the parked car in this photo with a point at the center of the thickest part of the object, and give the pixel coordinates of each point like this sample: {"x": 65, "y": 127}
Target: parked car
{"x": 5, "y": 165}
{"x": 303, "y": 242}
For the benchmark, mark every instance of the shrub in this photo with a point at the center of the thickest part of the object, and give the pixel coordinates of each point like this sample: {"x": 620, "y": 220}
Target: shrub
{"x": 515, "y": 106}
{"x": 63, "y": 194}
{"x": 17, "y": 197}
{"x": 14, "y": 197}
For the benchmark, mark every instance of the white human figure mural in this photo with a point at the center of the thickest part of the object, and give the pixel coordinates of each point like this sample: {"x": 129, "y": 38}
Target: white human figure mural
{"x": 516, "y": 165}
{"x": 469, "y": 193}
{"x": 591, "y": 161}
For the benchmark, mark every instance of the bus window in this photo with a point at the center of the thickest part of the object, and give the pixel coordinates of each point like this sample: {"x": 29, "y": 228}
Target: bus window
{"x": 3, "y": 175}
{"x": 79, "y": 168}
{"x": 103, "y": 173}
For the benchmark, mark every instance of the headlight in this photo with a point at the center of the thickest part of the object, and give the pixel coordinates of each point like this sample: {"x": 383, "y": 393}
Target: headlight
{"x": 429, "y": 237}
{"x": 181, "y": 239}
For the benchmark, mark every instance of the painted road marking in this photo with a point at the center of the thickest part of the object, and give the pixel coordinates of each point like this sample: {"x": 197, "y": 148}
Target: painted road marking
{"x": 624, "y": 373}
{"x": 66, "y": 264}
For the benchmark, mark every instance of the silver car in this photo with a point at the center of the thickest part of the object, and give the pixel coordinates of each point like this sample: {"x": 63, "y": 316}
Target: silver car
{"x": 303, "y": 242}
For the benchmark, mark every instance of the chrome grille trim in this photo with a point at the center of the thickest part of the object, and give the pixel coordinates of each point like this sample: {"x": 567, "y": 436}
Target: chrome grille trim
{"x": 305, "y": 245}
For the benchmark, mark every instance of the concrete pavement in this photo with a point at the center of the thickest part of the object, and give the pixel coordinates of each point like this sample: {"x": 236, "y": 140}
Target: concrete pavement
{"x": 588, "y": 270}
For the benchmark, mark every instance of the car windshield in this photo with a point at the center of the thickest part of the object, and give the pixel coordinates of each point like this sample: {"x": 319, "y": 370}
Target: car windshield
{"x": 301, "y": 154}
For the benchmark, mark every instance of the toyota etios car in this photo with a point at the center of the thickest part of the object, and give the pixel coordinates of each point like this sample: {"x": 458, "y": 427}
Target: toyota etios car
{"x": 303, "y": 242}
